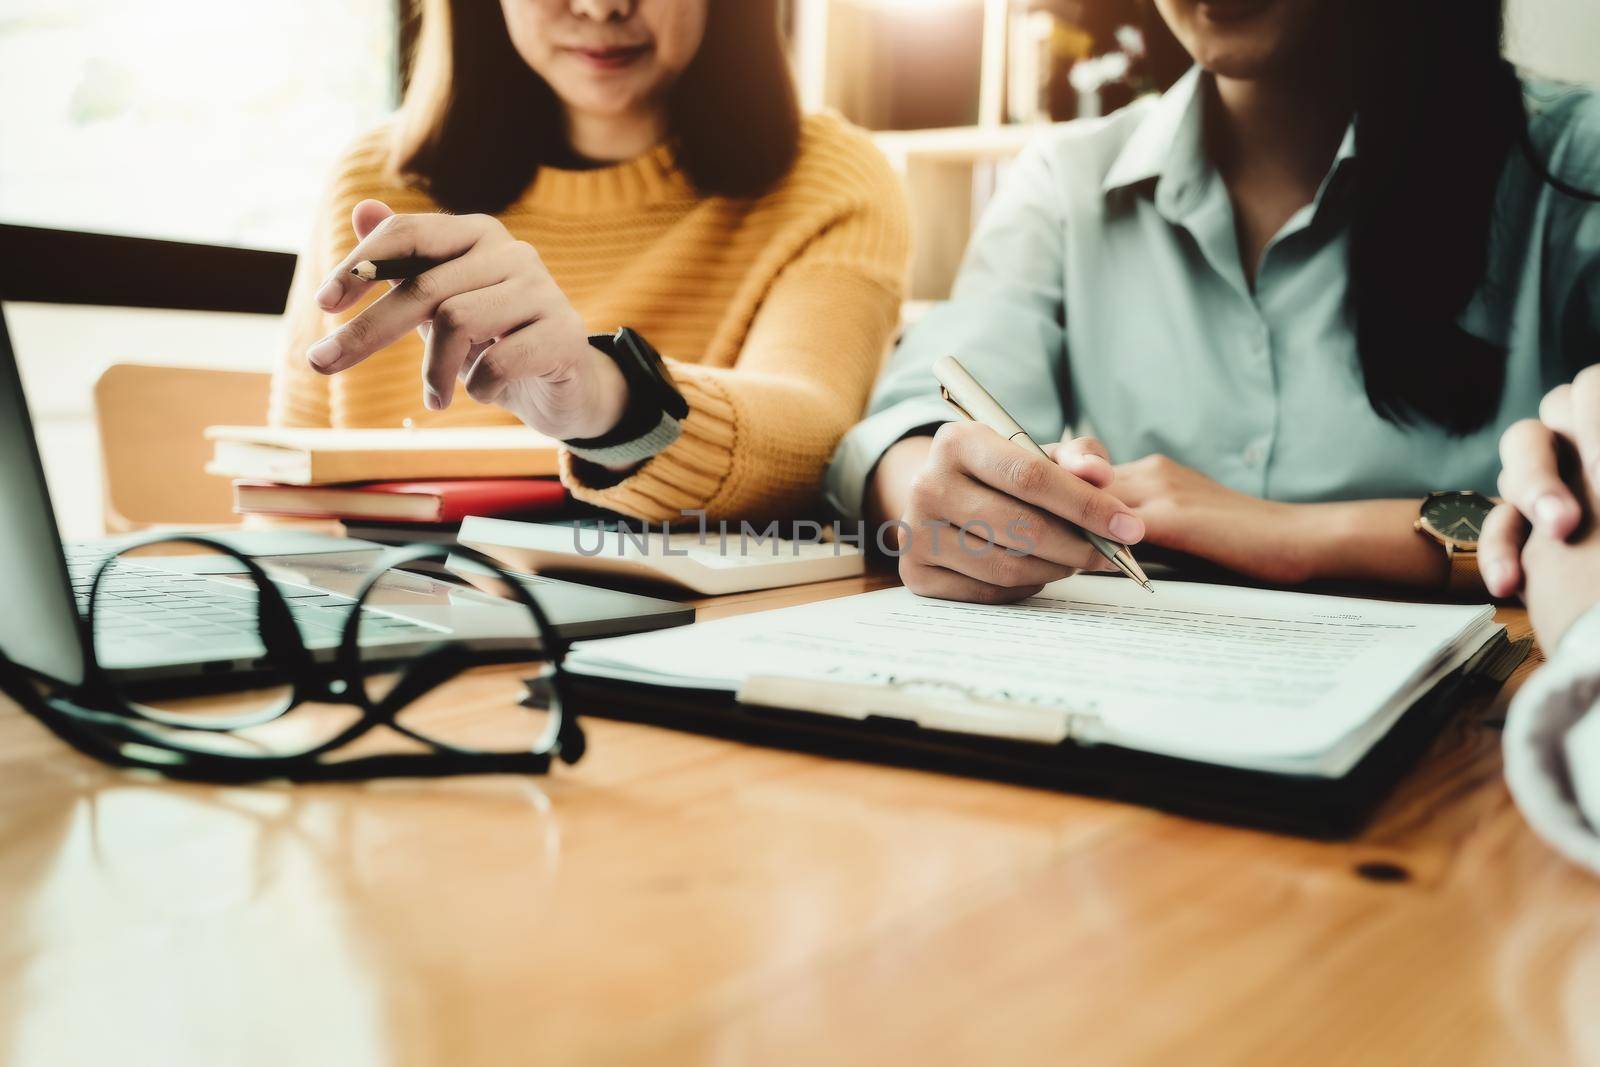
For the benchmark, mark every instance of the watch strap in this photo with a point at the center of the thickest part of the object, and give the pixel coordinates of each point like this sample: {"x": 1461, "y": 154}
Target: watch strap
{"x": 651, "y": 422}
{"x": 628, "y": 453}
{"x": 1461, "y": 558}
{"x": 1464, "y": 574}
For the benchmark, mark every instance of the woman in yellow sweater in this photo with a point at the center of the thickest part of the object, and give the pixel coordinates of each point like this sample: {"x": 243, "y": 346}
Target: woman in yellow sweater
{"x": 573, "y": 167}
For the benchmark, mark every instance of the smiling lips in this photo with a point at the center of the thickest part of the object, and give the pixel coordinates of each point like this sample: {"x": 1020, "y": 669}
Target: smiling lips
{"x": 613, "y": 57}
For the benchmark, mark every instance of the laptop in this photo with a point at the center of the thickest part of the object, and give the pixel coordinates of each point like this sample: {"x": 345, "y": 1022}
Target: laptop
{"x": 191, "y": 617}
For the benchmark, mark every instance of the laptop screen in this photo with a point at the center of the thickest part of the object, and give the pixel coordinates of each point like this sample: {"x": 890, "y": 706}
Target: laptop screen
{"x": 38, "y": 619}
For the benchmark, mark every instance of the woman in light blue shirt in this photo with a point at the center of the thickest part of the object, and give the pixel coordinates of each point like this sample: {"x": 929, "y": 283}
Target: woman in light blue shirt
{"x": 1313, "y": 282}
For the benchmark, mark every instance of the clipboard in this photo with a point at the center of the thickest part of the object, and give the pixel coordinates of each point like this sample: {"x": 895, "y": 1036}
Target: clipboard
{"x": 920, "y": 730}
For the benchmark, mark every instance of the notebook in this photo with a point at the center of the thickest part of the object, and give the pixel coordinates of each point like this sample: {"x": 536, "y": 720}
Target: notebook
{"x": 322, "y": 456}
{"x": 1269, "y": 685}
{"x": 436, "y": 502}
{"x": 711, "y": 564}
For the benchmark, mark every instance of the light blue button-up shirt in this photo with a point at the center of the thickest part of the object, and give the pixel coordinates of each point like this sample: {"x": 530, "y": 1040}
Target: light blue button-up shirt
{"x": 1103, "y": 290}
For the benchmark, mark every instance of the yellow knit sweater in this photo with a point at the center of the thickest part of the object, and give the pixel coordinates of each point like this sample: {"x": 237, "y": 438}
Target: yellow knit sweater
{"x": 774, "y": 314}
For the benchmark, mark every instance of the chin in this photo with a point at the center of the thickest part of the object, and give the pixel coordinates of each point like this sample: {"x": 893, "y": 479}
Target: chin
{"x": 602, "y": 99}
{"x": 1245, "y": 58}
{"x": 1243, "y": 67}
{"x": 1248, "y": 40}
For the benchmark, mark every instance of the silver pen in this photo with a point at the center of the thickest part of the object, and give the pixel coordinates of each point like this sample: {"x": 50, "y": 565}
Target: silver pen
{"x": 961, "y": 391}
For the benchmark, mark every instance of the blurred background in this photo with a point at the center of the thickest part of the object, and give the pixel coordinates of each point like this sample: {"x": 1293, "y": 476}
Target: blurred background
{"x": 216, "y": 124}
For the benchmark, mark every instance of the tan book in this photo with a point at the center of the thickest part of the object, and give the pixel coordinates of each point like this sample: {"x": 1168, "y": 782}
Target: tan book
{"x": 713, "y": 564}
{"x": 321, "y": 456}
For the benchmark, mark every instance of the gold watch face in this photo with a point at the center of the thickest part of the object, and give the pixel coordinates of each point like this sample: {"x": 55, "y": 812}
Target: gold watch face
{"x": 1456, "y": 519}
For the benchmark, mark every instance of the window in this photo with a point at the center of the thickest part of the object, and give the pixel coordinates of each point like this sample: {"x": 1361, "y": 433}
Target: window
{"x": 215, "y": 121}
{"x": 204, "y": 120}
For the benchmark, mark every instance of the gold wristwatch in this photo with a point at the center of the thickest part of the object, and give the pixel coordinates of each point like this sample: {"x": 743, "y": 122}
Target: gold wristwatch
{"x": 1455, "y": 520}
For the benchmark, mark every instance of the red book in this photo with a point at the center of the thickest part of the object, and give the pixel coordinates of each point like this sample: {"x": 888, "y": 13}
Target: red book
{"x": 422, "y": 502}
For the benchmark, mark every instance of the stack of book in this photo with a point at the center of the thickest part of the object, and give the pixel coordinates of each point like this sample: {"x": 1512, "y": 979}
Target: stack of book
{"x": 390, "y": 486}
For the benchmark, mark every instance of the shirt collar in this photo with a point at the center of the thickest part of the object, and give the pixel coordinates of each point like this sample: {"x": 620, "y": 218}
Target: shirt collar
{"x": 1347, "y": 147}
{"x": 1168, "y": 146}
{"x": 1328, "y": 198}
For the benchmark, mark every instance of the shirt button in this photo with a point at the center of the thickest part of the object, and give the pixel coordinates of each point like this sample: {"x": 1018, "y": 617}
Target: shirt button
{"x": 1255, "y": 454}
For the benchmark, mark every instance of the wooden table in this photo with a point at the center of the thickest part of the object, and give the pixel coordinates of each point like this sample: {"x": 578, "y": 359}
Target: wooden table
{"x": 675, "y": 899}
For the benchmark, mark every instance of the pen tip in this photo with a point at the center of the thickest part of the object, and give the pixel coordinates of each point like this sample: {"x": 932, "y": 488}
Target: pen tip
{"x": 1125, "y": 563}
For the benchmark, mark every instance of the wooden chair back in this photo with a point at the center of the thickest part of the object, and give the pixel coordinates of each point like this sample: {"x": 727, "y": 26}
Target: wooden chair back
{"x": 153, "y": 449}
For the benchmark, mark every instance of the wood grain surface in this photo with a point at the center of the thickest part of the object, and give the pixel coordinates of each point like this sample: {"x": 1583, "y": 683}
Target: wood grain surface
{"x": 678, "y": 899}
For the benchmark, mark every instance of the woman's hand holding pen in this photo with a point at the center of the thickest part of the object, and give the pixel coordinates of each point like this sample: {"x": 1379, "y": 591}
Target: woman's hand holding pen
{"x": 984, "y": 520}
{"x": 491, "y": 316}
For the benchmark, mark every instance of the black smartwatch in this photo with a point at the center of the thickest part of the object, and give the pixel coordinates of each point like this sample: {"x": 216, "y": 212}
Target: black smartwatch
{"x": 653, "y": 419}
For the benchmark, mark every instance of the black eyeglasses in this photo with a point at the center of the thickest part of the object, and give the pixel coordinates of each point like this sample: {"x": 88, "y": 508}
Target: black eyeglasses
{"x": 385, "y": 670}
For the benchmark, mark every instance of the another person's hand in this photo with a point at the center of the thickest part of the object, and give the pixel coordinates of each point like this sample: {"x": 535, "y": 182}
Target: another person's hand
{"x": 987, "y": 521}
{"x": 1543, "y": 540}
{"x": 491, "y": 316}
{"x": 1185, "y": 511}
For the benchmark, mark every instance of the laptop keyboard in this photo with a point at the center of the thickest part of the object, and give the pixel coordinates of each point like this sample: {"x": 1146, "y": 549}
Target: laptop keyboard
{"x": 143, "y": 605}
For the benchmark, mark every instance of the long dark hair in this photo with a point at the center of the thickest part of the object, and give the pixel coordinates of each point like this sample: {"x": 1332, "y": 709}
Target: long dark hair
{"x": 1431, "y": 85}
{"x": 478, "y": 123}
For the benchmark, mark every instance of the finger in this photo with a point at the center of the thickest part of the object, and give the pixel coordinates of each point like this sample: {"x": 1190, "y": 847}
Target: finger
{"x": 1585, "y": 422}
{"x": 1531, "y": 478}
{"x": 1092, "y": 469}
{"x": 1014, "y": 524}
{"x": 366, "y": 216}
{"x": 407, "y": 305}
{"x": 1088, "y": 459}
{"x": 926, "y": 580}
{"x": 535, "y": 352}
{"x": 439, "y": 397}
{"x": 1500, "y": 550}
{"x": 1089, "y": 446}
{"x": 436, "y": 236}
{"x": 464, "y": 327}
{"x": 1040, "y": 482}
{"x": 1555, "y": 410}
{"x": 943, "y": 545}
{"x": 364, "y": 219}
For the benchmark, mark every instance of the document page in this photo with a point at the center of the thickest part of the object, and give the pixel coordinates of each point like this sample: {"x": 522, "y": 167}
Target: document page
{"x": 1203, "y": 671}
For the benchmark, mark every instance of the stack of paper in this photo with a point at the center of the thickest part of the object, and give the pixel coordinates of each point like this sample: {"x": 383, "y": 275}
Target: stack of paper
{"x": 1257, "y": 679}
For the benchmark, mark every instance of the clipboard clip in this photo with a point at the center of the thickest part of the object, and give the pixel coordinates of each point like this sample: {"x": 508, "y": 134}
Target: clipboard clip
{"x": 932, "y": 704}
